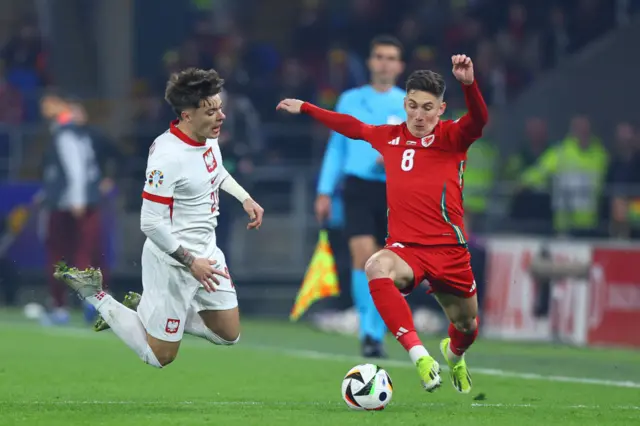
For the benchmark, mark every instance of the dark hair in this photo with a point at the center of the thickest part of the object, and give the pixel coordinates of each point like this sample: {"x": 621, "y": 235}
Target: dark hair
{"x": 187, "y": 88}
{"x": 426, "y": 81}
{"x": 386, "y": 40}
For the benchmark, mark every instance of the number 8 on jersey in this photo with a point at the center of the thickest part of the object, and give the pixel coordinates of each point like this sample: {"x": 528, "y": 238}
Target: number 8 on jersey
{"x": 407, "y": 159}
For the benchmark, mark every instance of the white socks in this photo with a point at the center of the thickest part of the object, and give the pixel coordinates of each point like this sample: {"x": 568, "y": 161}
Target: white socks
{"x": 195, "y": 326}
{"x": 453, "y": 357}
{"x": 126, "y": 325}
{"x": 417, "y": 352}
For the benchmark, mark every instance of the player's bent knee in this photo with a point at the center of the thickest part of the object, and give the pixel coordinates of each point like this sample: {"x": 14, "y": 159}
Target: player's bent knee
{"x": 466, "y": 325}
{"x": 166, "y": 357}
{"x": 378, "y": 267}
{"x": 229, "y": 341}
{"x": 223, "y": 338}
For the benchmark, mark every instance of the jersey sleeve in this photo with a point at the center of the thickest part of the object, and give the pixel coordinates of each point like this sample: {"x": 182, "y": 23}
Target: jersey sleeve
{"x": 468, "y": 128}
{"x": 334, "y": 155}
{"x": 344, "y": 124}
{"x": 161, "y": 177}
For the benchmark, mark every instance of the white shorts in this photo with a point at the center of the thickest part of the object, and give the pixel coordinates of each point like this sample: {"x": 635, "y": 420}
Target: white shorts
{"x": 170, "y": 292}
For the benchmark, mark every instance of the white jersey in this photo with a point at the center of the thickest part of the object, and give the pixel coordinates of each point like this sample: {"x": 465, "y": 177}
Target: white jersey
{"x": 185, "y": 175}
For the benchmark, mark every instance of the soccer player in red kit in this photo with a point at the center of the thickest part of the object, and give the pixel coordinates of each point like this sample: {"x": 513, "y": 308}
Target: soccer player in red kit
{"x": 424, "y": 159}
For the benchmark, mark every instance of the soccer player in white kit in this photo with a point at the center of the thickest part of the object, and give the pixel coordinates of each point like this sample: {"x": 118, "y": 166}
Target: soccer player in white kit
{"x": 186, "y": 283}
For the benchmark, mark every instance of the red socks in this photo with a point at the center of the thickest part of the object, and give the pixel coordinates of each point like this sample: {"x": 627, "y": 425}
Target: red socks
{"x": 395, "y": 311}
{"x": 460, "y": 341}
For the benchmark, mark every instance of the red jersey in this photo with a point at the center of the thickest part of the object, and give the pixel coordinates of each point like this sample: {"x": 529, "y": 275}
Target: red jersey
{"x": 424, "y": 175}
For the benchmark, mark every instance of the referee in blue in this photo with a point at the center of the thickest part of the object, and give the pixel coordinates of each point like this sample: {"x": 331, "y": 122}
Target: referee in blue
{"x": 364, "y": 194}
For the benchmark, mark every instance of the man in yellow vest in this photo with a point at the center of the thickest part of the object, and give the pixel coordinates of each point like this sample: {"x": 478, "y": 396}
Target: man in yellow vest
{"x": 574, "y": 170}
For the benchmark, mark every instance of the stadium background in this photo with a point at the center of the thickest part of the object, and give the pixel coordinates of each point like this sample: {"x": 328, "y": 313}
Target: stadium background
{"x": 549, "y": 70}
{"x": 539, "y": 68}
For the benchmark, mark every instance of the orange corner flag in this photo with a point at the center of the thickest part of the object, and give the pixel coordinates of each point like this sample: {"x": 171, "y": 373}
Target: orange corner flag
{"x": 320, "y": 280}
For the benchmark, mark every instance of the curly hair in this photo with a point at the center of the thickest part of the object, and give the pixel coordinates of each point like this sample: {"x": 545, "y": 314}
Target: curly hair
{"x": 188, "y": 88}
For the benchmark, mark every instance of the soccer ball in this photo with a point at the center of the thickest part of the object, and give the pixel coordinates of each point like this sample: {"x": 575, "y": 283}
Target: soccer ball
{"x": 367, "y": 387}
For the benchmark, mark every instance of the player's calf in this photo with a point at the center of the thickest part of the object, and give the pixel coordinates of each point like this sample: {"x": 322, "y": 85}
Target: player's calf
{"x": 462, "y": 334}
{"x": 463, "y": 331}
{"x": 387, "y": 272}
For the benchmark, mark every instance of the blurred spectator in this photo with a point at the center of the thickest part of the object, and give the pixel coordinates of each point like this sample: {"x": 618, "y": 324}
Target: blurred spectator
{"x": 530, "y": 206}
{"x": 480, "y": 174}
{"x": 536, "y": 142}
{"x": 590, "y": 19}
{"x": 71, "y": 182}
{"x": 24, "y": 58}
{"x": 11, "y": 113}
{"x": 490, "y": 73}
{"x": 574, "y": 171}
{"x": 240, "y": 143}
{"x": 554, "y": 42}
{"x": 294, "y": 82}
{"x": 623, "y": 184}
{"x": 309, "y": 34}
{"x": 11, "y": 104}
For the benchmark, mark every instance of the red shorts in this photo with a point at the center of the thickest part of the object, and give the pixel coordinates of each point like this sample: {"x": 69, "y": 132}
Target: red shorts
{"x": 447, "y": 268}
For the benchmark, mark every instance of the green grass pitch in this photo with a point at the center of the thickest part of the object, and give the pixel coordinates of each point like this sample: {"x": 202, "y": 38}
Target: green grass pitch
{"x": 286, "y": 374}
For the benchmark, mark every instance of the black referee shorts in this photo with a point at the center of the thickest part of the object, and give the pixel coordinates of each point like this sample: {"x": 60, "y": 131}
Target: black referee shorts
{"x": 365, "y": 208}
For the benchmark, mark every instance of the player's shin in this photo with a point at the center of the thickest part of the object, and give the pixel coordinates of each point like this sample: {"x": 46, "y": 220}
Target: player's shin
{"x": 461, "y": 340}
{"x": 127, "y": 326}
{"x": 461, "y": 337}
{"x": 395, "y": 312}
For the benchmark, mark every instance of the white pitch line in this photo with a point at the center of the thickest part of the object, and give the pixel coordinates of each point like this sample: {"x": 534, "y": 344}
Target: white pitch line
{"x": 310, "y": 354}
{"x": 323, "y": 404}
{"x": 476, "y": 370}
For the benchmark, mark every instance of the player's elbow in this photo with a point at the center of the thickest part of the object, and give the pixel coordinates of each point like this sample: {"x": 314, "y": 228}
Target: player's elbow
{"x": 147, "y": 227}
{"x": 149, "y": 224}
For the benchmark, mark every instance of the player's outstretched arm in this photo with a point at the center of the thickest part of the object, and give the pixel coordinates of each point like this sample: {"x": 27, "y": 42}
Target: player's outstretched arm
{"x": 253, "y": 209}
{"x": 342, "y": 123}
{"x": 472, "y": 123}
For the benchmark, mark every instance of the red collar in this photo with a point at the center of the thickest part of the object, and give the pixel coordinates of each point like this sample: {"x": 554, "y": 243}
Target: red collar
{"x": 182, "y": 136}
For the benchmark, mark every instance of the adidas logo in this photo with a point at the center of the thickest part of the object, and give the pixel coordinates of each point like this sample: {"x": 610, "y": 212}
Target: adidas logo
{"x": 395, "y": 141}
{"x": 401, "y": 331}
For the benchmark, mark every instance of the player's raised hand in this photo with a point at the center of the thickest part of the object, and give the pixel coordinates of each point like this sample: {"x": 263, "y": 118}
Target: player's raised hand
{"x": 291, "y": 106}
{"x": 462, "y": 68}
{"x": 255, "y": 212}
{"x": 204, "y": 271}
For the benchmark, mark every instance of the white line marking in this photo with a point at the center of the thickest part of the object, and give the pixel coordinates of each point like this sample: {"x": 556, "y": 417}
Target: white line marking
{"x": 309, "y": 354}
{"x": 323, "y": 404}
{"x": 475, "y": 370}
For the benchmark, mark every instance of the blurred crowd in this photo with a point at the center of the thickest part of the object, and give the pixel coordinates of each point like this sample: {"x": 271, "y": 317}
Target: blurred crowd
{"x": 327, "y": 44}
{"x": 322, "y": 50}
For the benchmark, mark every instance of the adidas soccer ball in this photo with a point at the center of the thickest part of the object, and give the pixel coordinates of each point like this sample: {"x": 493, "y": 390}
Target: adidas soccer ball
{"x": 367, "y": 387}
